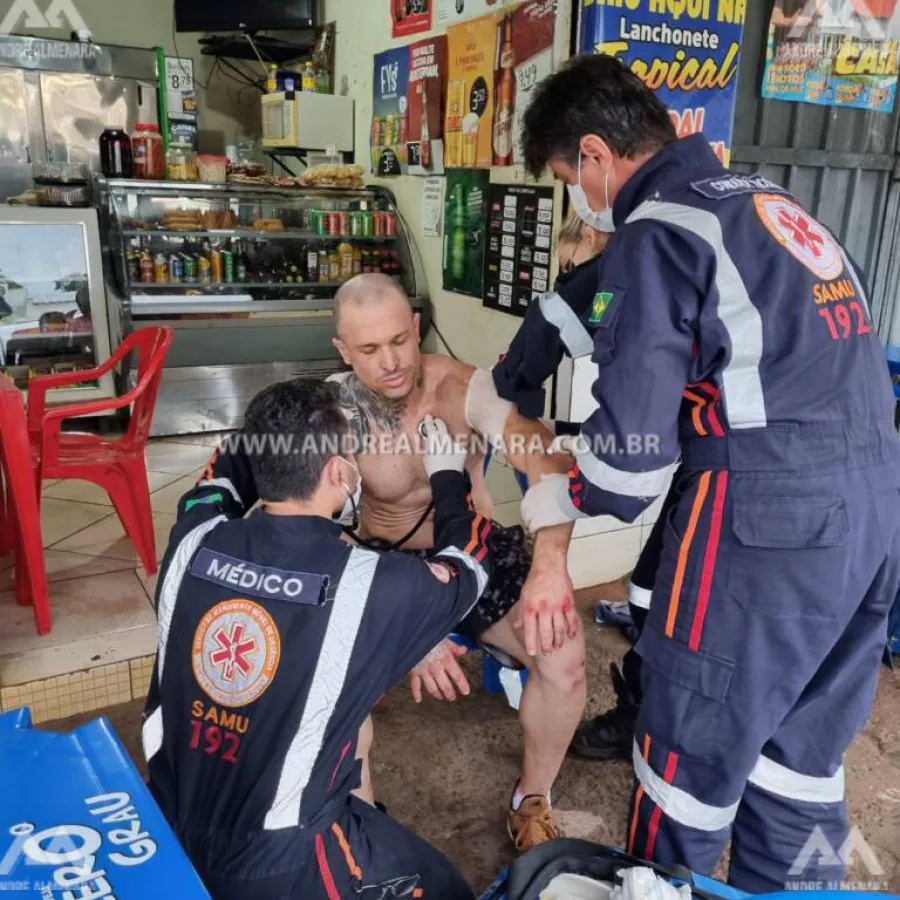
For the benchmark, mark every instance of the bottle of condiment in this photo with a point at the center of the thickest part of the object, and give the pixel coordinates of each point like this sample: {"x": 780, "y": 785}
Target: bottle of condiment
{"x": 345, "y": 252}
{"x": 334, "y": 266}
{"x": 272, "y": 80}
{"x": 312, "y": 264}
{"x": 308, "y": 80}
{"x": 115, "y": 154}
{"x": 357, "y": 261}
{"x": 324, "y": 265}
{"x": 148, "y": 154}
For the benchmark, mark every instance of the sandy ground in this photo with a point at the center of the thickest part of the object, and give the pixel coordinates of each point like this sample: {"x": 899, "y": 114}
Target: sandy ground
{"x": 447, "y": 770}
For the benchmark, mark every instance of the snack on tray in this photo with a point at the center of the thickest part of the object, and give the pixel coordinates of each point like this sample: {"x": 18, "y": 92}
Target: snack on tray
{"x": 182, "y": 220}
{"x": 333, "y": 175}
{"x": 268, "y": 225}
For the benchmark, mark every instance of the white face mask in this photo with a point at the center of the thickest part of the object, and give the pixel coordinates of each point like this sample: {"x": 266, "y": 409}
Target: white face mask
{"x": 350, "y": 512}
{"x": 600, "y": 221}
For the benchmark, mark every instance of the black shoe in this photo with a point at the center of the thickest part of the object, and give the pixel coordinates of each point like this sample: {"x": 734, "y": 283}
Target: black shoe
{"x": 610, "y": 735}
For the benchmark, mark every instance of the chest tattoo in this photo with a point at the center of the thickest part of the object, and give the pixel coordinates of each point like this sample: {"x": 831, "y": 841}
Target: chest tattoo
{"x": 367, "y": 410}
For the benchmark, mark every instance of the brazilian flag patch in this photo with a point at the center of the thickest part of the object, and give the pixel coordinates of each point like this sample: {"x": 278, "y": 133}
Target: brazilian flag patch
{"x": 600, "y": 306}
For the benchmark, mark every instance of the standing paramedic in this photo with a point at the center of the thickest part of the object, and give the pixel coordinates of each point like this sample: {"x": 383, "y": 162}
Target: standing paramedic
{"x": 276, "y": 639}
{"x": 731, "y": 329}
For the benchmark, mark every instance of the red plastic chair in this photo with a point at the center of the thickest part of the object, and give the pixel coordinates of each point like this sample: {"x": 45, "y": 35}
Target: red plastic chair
{"x": 23, "y": 526}
{"x": 118, "y": 465}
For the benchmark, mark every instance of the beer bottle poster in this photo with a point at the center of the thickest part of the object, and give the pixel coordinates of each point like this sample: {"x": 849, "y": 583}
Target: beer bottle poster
{"x": 465, "y": 208}
{"x": 468, "y": 128}
{"x": 390, "y": 113}
{"x": 518, "y": 246}
{"x": 427, "y": 95}
{"x": 411, "y": 16}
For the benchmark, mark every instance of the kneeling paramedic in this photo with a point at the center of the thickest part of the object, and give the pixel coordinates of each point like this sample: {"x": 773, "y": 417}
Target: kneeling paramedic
{"x": 276, "y": 639}
{"x": 732, "y": 330}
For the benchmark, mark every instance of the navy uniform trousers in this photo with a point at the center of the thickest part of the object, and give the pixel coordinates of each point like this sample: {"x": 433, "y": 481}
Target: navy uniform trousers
{"x": 761, "y": 649}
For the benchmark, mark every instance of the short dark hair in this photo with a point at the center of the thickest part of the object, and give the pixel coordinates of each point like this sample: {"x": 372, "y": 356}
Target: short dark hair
{"x": 292, "y": 430}
{"x": 592, "y": 94}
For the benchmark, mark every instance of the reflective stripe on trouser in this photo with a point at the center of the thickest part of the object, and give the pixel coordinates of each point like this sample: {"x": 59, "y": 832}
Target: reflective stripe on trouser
{"x": 760, "y": 658}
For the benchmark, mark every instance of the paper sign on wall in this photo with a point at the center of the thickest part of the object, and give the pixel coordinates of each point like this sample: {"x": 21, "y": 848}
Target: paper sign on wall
{"x": 449, "y": 12}
{"x": 411, "y": 16}
{"x": 432, "y": 206}
{"x": 468, "y": 128}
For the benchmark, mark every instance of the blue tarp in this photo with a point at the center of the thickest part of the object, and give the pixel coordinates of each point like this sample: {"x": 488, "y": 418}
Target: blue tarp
{"x": 75, "y": 815}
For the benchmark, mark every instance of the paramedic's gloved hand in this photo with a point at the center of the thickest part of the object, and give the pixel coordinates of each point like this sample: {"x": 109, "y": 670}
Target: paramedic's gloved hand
{"x": 438, "y": 672}
{"x": 442, "y": 452}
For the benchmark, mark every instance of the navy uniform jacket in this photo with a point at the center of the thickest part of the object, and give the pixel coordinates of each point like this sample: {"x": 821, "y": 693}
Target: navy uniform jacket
{"x": 722, "y": 309}
{"x": 276, "y": 639}
{"x": 551, "y": 329}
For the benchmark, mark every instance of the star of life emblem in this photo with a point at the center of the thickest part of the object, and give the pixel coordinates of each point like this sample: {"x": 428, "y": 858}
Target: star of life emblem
{"x": 801, "y": 235}
{"x": 235, "y": 653}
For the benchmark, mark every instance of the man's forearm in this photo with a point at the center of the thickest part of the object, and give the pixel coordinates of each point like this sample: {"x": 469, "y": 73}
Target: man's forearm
{"x": 527, "y": 446}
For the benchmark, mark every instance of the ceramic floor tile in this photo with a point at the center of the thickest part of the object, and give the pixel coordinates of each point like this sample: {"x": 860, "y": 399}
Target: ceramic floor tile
{"x": 107, "y": 538}
{"x": 508, "y": 514}
{"x": 97, "y": 620}
{"x": 62, "y": 518}
{"x": 87, "y": 492}
{"x": 179, "y": 459}
{"x": 61, "y": 566}
{"x": 149, "y": 582}
{"x": 166, "y": 499}
{"x": 501, "y": 482}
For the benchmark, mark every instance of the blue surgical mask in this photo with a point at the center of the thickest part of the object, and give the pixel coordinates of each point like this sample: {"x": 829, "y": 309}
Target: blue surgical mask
{"x": 599, "y": 220}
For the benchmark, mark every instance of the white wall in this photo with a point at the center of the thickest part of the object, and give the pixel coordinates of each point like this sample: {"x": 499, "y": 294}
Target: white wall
{"x": 476, "y": 334}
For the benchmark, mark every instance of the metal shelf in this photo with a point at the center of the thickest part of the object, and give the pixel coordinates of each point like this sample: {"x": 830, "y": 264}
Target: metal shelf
{"x": 173, "y": 306}
{"x": 268, "y": 235}
{"x": 211, "y": 289}
{"x": 235, "y": 189}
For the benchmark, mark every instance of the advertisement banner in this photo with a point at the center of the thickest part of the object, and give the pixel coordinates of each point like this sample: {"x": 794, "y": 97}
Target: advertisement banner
{"x": 525, "y": 57}
{"x": 390, "y": 113}
{"x": 465, "y": 213}
{"x": 687, "y": 51}
{"x": 411, "y": 16}
{"x": 468, "y": 129}
{"x": 426, "y": 100}
{"x": 518, "y": 248}
{"x": 450, "y": 12}
{"x": 833, "y": 53}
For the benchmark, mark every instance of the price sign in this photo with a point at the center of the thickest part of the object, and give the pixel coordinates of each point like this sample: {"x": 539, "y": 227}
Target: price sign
{"x": 478, "y": 97}
{"x": 388, "y": 164}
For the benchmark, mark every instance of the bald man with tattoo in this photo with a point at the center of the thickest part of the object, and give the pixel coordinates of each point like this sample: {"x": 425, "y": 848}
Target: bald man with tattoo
{"x": 526, "y": 616}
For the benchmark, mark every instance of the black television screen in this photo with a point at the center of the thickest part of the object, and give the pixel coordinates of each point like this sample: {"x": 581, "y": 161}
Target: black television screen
{"x": 244, "y": 15}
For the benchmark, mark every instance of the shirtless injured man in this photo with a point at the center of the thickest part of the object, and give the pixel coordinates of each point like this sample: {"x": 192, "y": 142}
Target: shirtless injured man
{"x": 527, "y": 613}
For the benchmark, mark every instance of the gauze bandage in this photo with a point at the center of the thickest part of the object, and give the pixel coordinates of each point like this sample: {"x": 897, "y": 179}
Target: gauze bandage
{"x": 486, "y": 412}
{"x": 548, "y": 503}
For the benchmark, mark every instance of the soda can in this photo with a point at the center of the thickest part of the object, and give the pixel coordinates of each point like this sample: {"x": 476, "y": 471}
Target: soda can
{"x": 160, "y": 269}
{"x": 190, "y": 268}
{"x": 146, "y": 264}
{"x": 204, "y": 268}
{"x": 357, "y": 225}
{"x": 369, "y": 223}
{"x": 334, "y": 224}
{"x": 176, "y": 269}
{"x": 378, "y": 217}
{"x": 228, "y": 266}
{"x": 321, "y": 223}
{"x": 344, "y": 223}
{"x": 390, "y": 224}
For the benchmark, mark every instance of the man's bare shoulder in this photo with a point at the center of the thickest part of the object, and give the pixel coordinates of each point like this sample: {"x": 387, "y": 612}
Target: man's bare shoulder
{"x": 448, "y": 378}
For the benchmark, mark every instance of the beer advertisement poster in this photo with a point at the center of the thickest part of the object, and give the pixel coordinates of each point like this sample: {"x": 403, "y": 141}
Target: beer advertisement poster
{"x": 411, "y": 16}
{"x": 838, "y": 53}
{"x": 390, "y": 113}
{"x": 465, "y": 212}
{"x": 426, "y": 99}
{"x": 469, "y": 123}
{"x": 526, "y": 58}
{"x": 450, "y": 12}
{"x": 517, "y": 254}
{"x": 687, "y": 52}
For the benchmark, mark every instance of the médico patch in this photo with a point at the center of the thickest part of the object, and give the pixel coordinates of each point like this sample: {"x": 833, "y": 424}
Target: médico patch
{"x": 235, "y": 652}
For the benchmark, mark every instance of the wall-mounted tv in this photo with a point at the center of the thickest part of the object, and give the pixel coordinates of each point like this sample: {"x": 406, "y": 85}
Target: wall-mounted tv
{"x": 241, "y": 15}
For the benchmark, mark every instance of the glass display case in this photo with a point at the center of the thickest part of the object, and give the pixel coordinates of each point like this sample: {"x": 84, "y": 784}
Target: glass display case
{"x": 246, "y": 275}
{"x": 53, "y": 314}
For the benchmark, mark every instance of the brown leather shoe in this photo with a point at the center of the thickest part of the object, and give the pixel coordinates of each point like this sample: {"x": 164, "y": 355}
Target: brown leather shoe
{"x": 532, "y": 824}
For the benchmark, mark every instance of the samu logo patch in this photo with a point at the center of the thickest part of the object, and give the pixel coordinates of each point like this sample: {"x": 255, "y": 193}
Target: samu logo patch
{"x": 600, "y": 305}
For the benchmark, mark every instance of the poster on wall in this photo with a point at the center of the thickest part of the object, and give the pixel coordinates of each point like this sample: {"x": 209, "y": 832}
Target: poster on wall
{"x": 426, "y": 101}
{"x": 468, "y": 127}
{"x": 518, "y": 246}
{"x": 836, "y": 53}
{"x": 465, "y": 213}
{"x": 525, "y": 44}
{"x": 390, "y": 113}
{"x": 689, "y": 60}
{"x": 411, "y": 16}
{"x": 450, "y": 12}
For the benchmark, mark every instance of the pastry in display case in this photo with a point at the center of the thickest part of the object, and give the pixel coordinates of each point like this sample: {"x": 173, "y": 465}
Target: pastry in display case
{"x": 246, "y": 274}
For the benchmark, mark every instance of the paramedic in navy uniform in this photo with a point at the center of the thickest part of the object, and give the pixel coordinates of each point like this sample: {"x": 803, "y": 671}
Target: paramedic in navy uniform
{"x": 730, "y": 330}
{"x": 276, "y": 639}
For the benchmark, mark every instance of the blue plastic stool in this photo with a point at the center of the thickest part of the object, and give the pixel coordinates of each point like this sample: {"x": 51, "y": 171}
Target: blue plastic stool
{"x": 490, "y": 668}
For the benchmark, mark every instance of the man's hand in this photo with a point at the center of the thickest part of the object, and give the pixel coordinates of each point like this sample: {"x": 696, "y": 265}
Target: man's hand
{"x": 546, "y": 615}
{"x": 442, "y": 453}
{"x": 438, "y": 672}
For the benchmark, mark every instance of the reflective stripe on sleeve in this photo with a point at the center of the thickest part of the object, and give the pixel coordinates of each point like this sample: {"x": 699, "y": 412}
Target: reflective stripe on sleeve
{"x": 350, "y": 601}
{"x": 618, "y": 481}
{"x": 572, "y": 333}
{"x": 471, "y": 563}
{"x": 152, "y": 734}
{"x": 679, "y": 805}
{"x": 778, "y": 779}
{"x": 178, "y": 567}
{"x": 741, "y": 383}
{"x": 638, "y": 596}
